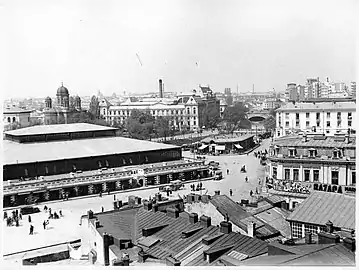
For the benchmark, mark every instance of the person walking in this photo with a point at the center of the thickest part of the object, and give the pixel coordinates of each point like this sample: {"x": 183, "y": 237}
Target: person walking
{"x": 251, "y": 193}
{"x": 44, "y": 224}
{"x": 246, "y": 178}
{"x": 114, "y": 197}
{"x": 60, "y": 213}
{"x": 31, "y": 230}
{"x": 102, "y": 209}
{"x": 230, "y": 192}
{"x": 29, "y": 219}
{"x": 227, "y": 171}
{"x": 20, "y": 216}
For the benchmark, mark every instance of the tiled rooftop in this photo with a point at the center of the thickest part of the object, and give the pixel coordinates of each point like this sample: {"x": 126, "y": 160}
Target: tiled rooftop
{"x": 328, "y": 142}
{"x": 322, "y": 106}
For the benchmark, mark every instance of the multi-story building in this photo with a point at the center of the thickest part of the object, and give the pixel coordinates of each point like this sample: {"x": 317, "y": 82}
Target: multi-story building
{"x": 291, "y": 92}
{"x": 353, "y": 89}
{"x": 189, "y": 111}
{"x": 317, "y": 159}
{"x": 318, "y": 117}
{"x": 15, "y": 117}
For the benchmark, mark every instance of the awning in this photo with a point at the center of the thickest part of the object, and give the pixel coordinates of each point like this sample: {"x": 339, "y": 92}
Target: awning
{"x": 203, "y": 147}
{"x": 220, "y": 147}
{"x": 238, "y": 146}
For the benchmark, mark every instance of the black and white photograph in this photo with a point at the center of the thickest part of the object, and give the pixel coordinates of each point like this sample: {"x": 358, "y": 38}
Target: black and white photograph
{"x": 179, "y": 133}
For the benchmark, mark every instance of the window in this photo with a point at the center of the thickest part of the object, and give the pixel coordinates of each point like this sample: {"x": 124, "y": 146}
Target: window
{"x": 297, "y": 116}
{"x": 9, "y": 119}
{"x": 296, "y": 230}
{"x": 307, "y": 115}
{"x": 54, "y": 168}
{"x": 316, "y": 175}
{"x": 292, "y": 152}
{"x": 335, "y": 177}
{"x": 124, "y": 161}
{"x": 307, "y": 124}
{"x": 339, "y": 115}
{"x": 306, "y": 175}
{"x": 287, "y": 115}
{"x": 312, "y": 153}
{"x": 26, "y": 173}
{"x": 107, "y": 164}
{"x": 336, "y": 154}
{"x": 287, "y": 124}
{"x": 46, "y": 170}
{"x": 188, "y": 123}
{"x": 188, "y": 111}
{"x": 308, "y": 228}
{"x": 13, "y": 119}
{"x": 194, "y": 110}
{"x": 194, "y": 122}
{"x": 328, "y": 114}
{"x": 353, "y": 179}
{"x": 296, "y": 174}
{"x": 287, "y": 174}
{"x": 99, "y": 164}
{"x": 328, "y": 123}
{"x": 274, "y": 173}
{"x": 318, "y": 116}
{"x": 130, "y": 160}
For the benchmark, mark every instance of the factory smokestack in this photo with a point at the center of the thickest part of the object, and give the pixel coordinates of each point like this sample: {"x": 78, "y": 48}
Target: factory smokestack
{"x": 161, "y": 88}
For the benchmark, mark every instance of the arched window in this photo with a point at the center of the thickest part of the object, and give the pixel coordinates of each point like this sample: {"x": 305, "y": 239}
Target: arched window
{"x": 130, "y": 160}
{"x": 194, "y": 110}
{"x": 9, "y": 119}
{"x": 99, "y": 164}
{"x": 188, "y": 111}
{"x": 106, "y": 162}
{"x": 13, "y": 119}
{"x": 26, "y": 173}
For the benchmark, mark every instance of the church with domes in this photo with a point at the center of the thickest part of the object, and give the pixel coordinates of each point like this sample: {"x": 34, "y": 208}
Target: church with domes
{"x": 59, "y": 112}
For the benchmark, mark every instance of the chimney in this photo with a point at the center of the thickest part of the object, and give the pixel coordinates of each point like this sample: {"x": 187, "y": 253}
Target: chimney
{"x": 251, "y": 229}
{"x": 329, "y": 226}
{"x": 89, "y": 214}
{"x": 161, "y": 88}
{"x": 97, "y": 224}
{"x": 308, "y": 238}
{"x": 205, "y": 221}
{"x": 172, "y": 212}
{"x": 226, "y": 227}
{"x": 155, "y": 208}
{"x": 147, "y": 205}
{"x": 304, "y": 138}
{"x": 328, "y": 238}
{"x": 349, "y": 243}
{"x": 107, "y": 242}
{"x": 193, "y": 218}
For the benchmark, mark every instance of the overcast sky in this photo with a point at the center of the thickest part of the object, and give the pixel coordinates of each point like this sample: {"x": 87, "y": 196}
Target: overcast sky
{"x": 92, "y": 45}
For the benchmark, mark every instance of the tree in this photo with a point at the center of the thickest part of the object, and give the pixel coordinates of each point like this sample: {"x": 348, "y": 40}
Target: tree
{"x": 233, "y": 114}
{"x": 162, "y": 126}
{"x": 85, "y": 117}
{"x": 94, "y": 107}
{"x": 140, "y": 124}
{"x": 229, "y": 100}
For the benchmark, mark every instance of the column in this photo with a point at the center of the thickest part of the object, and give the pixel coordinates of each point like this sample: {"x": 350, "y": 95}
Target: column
{"x": 46, "y": 195}
{"x": 76, "y": 189}
{"x": 118, "y": 185}
{"x": 90, "y": 189}
{"x": 13, "y": 200}
{"x": 157, "y": 179}
{"x": 169, "y": 177}
{"x": 104, "y": 187}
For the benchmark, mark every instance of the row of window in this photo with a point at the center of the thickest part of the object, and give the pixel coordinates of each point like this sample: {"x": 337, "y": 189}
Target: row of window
{"x": 154, "y": 112}
{"x": 328, "y": 123}
{"x": 297, "y": 229}
{"x": 312, "y": 153}
{"x": 307, "y": 115}
{"x": 310, "y": 175}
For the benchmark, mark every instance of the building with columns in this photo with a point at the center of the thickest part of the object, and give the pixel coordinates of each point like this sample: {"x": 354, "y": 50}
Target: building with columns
{"x": 186, "y": 112}
{"x": 317, "y": 117}
{"x": 58, "y": 112}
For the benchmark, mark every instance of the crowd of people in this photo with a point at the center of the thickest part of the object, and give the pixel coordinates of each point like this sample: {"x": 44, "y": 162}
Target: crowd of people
{"x": 13, "y": 219}
{"x": 287, "y": 186}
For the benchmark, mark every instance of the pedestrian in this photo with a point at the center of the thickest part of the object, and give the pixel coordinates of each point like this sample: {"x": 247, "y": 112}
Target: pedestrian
{"x": 102, "y": 209}
{"x": 17, "y": 222}
{"x": 230, "y": 192}
{"x": 227, "y": 171}
{"x": 29, "y": 219}
{"x": 251, "y": 193}
{"x": 45, "y": 208}
{"x": 114, "y": 197}
{"x": 20, "y": 216}
{"x": 60, "y": 213}
{"x": 44, "y": 224}
{"x": 246, "y": 178}
{"x": 50, "y": 211}
{"x": 31, "y": 230}
{"x": 17, "y": 212}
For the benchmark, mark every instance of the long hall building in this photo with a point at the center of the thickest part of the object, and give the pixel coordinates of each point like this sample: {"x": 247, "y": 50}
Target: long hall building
{"x": 55, "y": 161}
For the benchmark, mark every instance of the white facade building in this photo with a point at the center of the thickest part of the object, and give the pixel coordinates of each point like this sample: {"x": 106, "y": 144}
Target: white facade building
{"x": 317, "y": 117}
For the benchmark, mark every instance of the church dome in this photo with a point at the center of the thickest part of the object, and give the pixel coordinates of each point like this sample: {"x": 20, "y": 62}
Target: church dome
{"x": 47, "y": 99}
{"x": 62, "y": 91}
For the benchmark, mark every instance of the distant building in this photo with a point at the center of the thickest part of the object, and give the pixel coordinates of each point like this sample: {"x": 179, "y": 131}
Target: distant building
{"x": 318, "y": 117}
{"x": 353, "y": 89}
{"x": 15, "y": 117}
{"x": 291, "y": 92}
{"x": 186, "y": 112}
{"x": 58, "y": 112}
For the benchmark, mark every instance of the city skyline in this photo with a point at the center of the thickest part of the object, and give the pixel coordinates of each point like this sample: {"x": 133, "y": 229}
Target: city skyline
{"x": 127, "y": 46}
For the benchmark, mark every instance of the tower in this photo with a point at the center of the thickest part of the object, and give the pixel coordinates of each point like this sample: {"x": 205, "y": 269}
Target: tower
{"x": 48, "y": 103}
{"x": 62, "y": 96}
{"x": 78, "y": 103}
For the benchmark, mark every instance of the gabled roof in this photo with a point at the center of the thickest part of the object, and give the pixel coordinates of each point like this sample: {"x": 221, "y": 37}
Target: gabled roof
{"x": 320, "y": 207}
{"x": 103, "y": 102}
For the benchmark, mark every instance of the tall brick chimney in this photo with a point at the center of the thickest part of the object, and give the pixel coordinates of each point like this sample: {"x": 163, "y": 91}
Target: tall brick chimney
{"x": 161, "y": 88}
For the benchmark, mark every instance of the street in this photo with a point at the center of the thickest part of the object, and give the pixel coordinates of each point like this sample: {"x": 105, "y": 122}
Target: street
{"x": 16, "y": 239}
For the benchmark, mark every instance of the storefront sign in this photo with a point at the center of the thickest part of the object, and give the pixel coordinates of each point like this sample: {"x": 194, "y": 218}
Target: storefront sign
{"x": 333, "y": 188}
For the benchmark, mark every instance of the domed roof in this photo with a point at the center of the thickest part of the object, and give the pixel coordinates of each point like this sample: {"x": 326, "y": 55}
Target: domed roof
{"x": 62, "y": 90}
{"x": 77, "y": 98}
{"x": 47, "y": 98}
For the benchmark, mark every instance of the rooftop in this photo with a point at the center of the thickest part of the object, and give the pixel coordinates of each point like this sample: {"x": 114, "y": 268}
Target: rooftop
{"x": 324, "y": 142}
{"x": 321, "y": 106}
{"x": 227, "y": 138}
{"x": 53, "y": 129}
{"x": 320, "y": 207}
{"x": 14, "y": 109}
{"x": 56, "y": 150}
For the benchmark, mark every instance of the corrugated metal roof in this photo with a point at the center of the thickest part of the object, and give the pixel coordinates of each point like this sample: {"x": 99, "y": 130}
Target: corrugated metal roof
{"x": 53, "y": 129}
{"x": 274, "y": 199}
{"x": 329, "y": 142}
{"x": 320, "y": 207}
{"x": 17, "y": 153}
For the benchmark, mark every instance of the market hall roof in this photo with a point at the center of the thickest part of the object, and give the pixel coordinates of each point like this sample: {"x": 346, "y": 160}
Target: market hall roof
{"x": 321, "y": 206}
{"x": 227, "y": 138}
{"x": 55, "y": 129}
{"x": 70, "y": 149}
